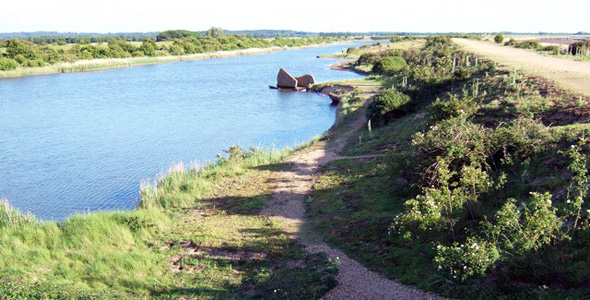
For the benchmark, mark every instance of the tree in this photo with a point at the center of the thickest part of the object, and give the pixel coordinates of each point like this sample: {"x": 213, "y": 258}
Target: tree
{"x": 148, "y": 47}
{"x": 215, "y": 32}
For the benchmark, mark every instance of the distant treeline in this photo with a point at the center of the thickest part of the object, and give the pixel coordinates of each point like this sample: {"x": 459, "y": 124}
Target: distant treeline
{"x": 49, "y": 37}
{"x": 16, "y": 53}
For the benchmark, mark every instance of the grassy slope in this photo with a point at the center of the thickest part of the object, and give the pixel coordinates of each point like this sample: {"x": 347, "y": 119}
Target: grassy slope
{"x": 356, "y": 200}
{"x": 208, "y": 243}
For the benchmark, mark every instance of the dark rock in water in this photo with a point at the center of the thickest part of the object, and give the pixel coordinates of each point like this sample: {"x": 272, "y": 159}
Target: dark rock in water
{"x": 305, "y": 81}
{"x": 335, "y": 98}
{"x": 285, "y": 80}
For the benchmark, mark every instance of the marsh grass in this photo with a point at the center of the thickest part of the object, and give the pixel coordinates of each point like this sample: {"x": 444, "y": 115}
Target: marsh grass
{"x": 185, "y": 187}
{"x": 196, "y": 233}
{"x": 10, "y": 217}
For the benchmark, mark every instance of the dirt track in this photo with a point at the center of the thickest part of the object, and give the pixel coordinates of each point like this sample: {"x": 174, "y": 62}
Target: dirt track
{"x": 570, "y": 74}
{"x": 294, "y": 184}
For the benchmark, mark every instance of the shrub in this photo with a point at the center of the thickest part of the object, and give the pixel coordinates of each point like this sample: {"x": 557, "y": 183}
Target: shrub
{"x": 552, "y": 49}
{"x": 518, "y": 230}
{"x": 474, "y": 257}
{"x": 522, "y": 138}
{"x": 388, "y": 105}
{"x": 529, "y": 44}
{"x": 499, "y": 38}
{"x": 8, "y": 64}
{"x": 455, "y": 138}
{"x": 511, "y": 42}
{"x": 390, "y": 65}
{"x": 395, "y": 39}
{"x": 454, "y": 106}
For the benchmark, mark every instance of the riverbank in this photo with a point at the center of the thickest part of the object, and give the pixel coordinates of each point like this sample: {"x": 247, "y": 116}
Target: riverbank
{"x": 114, "y": 63}
{"x": 196, "y": 233}
{"x": 480, "y": 140}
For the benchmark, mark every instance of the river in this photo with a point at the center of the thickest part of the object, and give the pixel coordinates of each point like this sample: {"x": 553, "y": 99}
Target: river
{"x": 80, "y": 142}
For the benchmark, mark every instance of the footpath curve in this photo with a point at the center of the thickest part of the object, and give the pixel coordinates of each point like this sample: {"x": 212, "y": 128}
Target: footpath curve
{"x": 570, "y": 74}
{"x": 287, "y": 203}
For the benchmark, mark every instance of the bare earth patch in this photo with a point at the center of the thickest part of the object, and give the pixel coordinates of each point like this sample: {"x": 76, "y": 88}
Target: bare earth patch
{"x": 287, "y": 203}
{"x": 574, "y": 75}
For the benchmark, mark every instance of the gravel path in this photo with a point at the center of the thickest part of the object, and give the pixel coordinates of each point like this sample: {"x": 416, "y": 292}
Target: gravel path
{"x": 287, "y": 203}
{"x": 574, "y": 75}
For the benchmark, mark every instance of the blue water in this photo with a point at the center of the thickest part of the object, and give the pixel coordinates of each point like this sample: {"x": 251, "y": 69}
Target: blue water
{"x": 82, "y": 142}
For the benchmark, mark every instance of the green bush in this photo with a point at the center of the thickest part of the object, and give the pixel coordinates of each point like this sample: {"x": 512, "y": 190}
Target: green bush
{"x": 555, "y": 50}
{"x": 518, "y": 230}
{"x": 8, "y": 64}
{"x": 463, "y": 260}
{"x": 529, "y": 44}
{"x": 511, "y": 42}
{"x": 453, "y": 106}
{"x": 499, "y": 38}
{"x": 388, "y": 105}
{"x": 390, "y": 65}
{"x": 395, "y": 39}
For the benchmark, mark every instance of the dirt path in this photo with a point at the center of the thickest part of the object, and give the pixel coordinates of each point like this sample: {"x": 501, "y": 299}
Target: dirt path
{"x": 294, "y": 184}
{"x": 570, "y": 74}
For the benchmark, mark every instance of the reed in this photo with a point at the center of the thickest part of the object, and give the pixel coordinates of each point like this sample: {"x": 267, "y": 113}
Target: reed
{"x": 185, "y": 187}
{"x": 10, "y": 217}
{"x": 118, "y": 254}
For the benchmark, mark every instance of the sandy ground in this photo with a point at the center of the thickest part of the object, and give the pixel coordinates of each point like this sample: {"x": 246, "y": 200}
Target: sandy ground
{"x": 287, "y": 203}
{"x": 570, "y": 74}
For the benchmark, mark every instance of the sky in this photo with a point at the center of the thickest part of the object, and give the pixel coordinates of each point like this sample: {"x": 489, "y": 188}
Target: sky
{"x": 110, "y": 16}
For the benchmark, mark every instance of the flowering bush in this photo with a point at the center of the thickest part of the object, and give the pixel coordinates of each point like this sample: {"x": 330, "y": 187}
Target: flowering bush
{"x": 474, "y": 257}
{"x": 520, "y": 229}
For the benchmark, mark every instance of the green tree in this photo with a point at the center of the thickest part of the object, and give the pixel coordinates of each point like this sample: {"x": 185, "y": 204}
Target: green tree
{"x": 148, "y": 47}
{"x": 25, "y": 49}
{"x": 215, "y": 32}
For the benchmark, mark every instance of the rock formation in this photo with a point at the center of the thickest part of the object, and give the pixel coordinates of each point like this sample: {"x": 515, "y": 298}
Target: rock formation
{"x": 305, "y": 81}
{"x": 285, "y": 80}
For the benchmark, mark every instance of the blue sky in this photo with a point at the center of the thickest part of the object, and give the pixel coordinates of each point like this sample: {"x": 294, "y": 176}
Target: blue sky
{"x": 364, "y": 15}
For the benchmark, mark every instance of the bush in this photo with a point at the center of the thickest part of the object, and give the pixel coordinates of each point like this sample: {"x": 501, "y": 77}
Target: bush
{"x": 454, "y": 106}
{"x": 518, "y": 230}
{"x": 395, "y": 39}
{"x": 552, "y": 49}
{"x": 389, "y": 65}
{"x": 388, "y": 105}
{"x": 511, "y": 42}
{"x": 8, "y": 64}
{"x": 474, "y": 257}
{"x": 499, "y": 38}
{"x": 529, "y": 44}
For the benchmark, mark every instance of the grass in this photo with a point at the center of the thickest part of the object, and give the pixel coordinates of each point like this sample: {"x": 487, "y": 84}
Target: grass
{"x": 356, "y": 200}
{"x": 197, "y": 234}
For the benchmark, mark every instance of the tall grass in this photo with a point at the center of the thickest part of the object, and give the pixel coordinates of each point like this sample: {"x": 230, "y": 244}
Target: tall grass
{"x": 113, "y": 251}
{"x": 184, "y": 187}
{"x": 10, "y": 217}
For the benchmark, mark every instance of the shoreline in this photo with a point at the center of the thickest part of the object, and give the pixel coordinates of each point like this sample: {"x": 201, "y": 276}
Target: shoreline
{"x": 117, "y": 63}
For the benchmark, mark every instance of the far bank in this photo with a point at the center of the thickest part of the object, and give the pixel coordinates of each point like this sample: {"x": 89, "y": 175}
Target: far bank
{"x": 113, "y": 63}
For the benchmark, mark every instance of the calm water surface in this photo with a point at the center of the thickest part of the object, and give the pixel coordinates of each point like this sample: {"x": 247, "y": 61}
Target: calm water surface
{"x": 84, "y": 141}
